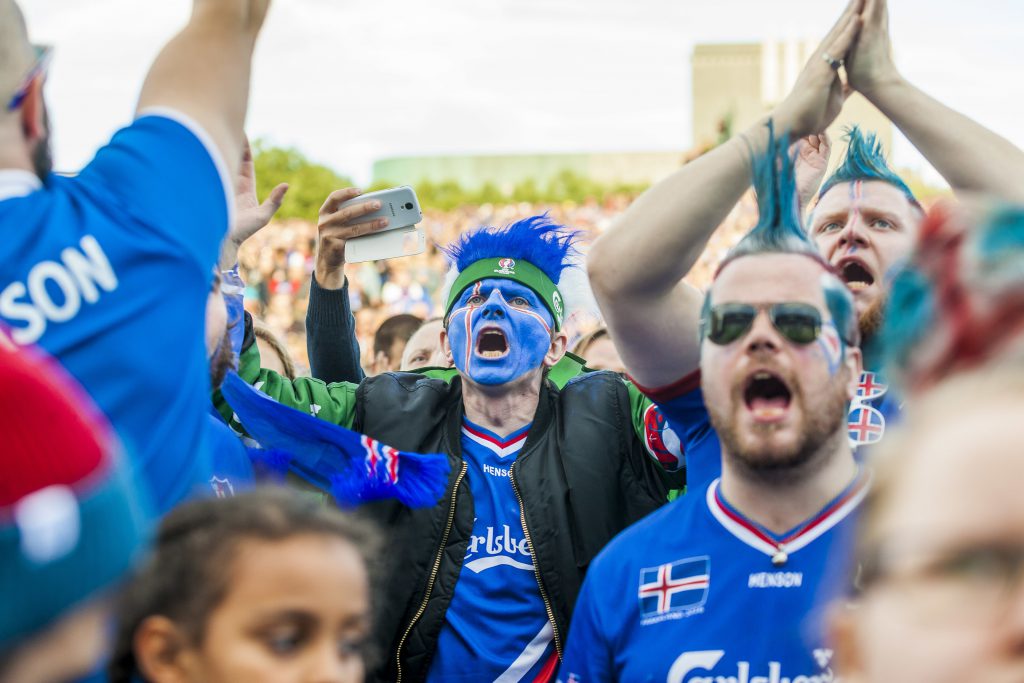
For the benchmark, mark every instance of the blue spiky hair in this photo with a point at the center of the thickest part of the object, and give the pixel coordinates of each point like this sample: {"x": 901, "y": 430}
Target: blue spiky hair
{"x": 537, "y": 240}
{"x": 865, "y": 160}
{"x": 779, "y": 231}
{"x": 778, "y": 228}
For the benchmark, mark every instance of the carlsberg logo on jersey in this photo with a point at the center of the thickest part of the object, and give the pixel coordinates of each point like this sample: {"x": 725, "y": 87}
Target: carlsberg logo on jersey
{"x": 705, "y": 660}
{"x": 498, "y": 548}
{"x": 54, "y": 290}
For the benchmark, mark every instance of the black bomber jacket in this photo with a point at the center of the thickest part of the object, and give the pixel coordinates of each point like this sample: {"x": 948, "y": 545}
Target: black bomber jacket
{"x": 581, "y": 477}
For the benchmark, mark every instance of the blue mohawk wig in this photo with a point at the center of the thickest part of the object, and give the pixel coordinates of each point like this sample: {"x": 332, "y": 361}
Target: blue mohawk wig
{"x": 865, "y": 160}
{"x": 779, "y": 231}
{"x": 537, "y": 240}
{"x": 778, "y": 228}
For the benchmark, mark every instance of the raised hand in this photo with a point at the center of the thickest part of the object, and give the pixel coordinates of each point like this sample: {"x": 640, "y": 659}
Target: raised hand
{"x": 250, "y": 215}
{"x": 819, "y": 93}
{"x": 869, "y": 63}
{"x": 335, "y": 227}
{"x": 811, "y": 154}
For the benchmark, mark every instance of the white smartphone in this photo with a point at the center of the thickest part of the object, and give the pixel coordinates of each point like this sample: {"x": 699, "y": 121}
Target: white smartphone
{"x": 407, "y": 241}
{"x": 402, "y": 209}
{"x": 398, "y": 204}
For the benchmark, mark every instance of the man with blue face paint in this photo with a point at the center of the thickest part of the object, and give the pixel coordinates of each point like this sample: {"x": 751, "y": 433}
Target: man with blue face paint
{"x": 548, "y": 462}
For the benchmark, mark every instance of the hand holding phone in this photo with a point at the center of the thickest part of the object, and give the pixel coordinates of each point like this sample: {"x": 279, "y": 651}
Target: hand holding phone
{"x": 400, "y": 207}
{"x": 347, "y": 216}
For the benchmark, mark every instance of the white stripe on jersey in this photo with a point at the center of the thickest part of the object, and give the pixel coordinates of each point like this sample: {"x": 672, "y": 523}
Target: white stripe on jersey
{"x": 530, "y": 656}
{"x": 510, "y": 449}
{"x": 801, "y": 541}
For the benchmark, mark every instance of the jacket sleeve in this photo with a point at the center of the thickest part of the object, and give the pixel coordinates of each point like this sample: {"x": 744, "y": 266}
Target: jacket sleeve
{"x": 332, "y": 402}
{"x": 331, "y": 335}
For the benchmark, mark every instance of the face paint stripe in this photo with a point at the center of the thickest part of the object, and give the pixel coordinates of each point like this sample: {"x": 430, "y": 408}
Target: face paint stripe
{"x": 469, "y": 337}
{"x": 535, "y": 315}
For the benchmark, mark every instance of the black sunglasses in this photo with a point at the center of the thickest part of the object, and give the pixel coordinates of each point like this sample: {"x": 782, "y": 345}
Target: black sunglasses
{"x": 798, "y": 322}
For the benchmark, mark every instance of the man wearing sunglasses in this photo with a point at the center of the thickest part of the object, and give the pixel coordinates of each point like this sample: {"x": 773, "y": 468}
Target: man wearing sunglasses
{"x": 109, "y": 270}
{"x": 725, "y": 577}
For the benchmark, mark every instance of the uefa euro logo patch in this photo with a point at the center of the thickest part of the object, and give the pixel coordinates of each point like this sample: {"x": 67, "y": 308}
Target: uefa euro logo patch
{"x": 674, "y": 590}
{"x": 222, "y": 487}
{"x": 506, "y": 266}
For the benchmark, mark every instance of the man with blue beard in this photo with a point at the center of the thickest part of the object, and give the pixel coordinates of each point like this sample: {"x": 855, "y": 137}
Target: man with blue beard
{"x": 547, "y": 464}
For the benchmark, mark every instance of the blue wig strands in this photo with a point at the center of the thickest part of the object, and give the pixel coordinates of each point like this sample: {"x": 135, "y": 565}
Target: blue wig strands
{"x": 865, "y": 160}
{"x": 551, "y": 247}
{"x": 537, "y": 240}
{"x": 778, "y": 228}
{"x": 960, "y": 300}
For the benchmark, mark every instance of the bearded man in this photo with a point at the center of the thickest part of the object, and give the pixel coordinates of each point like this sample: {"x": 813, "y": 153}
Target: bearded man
{"x": 864, "y": 223}
{"x": 721, "y": 582}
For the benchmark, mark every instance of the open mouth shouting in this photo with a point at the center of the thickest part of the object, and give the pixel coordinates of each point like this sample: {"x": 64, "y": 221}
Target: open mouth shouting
{"x": 767, "y": 396}
{"x": 855, "y": 274}
{"x": 491, "y": 343}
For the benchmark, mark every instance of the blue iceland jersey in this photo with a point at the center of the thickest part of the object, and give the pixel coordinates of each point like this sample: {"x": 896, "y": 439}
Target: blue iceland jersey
{"x": 109, "y": 272}
{"x": 230, "y": 470}
{"x": 696, "y": 592}
{"x": 874, "y": 408}
{"x": 496, "y": 628}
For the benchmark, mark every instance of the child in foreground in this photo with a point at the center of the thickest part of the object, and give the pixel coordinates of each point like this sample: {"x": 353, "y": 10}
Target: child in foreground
{"x": 266, "y": 586}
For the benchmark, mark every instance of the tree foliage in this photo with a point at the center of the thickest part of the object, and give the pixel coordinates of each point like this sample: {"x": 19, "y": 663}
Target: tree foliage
{"x": 566, "y": 186}
{"x": 308, "y": 183}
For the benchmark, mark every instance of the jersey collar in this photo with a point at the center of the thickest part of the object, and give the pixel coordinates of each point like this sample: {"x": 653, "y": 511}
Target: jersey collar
{"x": 15, "y": 182}
{"x": 501, "y": 447}
{"x": 778, "y": 547}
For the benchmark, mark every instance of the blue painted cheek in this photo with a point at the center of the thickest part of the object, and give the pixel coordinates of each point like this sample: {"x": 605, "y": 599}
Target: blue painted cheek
{"x": 526, "y": 336}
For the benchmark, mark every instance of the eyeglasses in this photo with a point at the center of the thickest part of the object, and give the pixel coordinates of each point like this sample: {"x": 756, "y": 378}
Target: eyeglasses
{"x": 798, "y": 322}
{"x": 970, "y": 583}
{"x": 39, "y": 67}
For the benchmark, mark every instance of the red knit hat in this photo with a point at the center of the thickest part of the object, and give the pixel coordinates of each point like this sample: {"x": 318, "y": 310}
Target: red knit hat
{"x": 70, "y": 522}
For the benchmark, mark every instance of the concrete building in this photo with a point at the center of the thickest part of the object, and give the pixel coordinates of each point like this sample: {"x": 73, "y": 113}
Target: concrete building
{"x": 736, "y": 84}
{"x": 733, "y": 86}
{"x": 505, "y": 171}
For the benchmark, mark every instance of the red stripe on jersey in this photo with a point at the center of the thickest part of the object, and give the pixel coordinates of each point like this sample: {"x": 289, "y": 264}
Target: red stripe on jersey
{"x": 852, "y": 491}
{"x": 491, "y": 439}
{"x": 547, "y": 672}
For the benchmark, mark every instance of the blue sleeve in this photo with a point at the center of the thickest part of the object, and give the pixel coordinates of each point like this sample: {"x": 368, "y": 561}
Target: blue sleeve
{"x": 588, "y": 656}
{"x": 159, "y": 173}
{"x": 331, "y": 336}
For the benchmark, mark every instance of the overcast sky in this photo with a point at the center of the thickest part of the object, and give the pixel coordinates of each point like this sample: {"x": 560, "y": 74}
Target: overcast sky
{"x": 350, "y": 82}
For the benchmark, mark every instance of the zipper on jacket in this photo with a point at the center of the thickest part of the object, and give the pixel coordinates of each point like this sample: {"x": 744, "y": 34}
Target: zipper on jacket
{"x": 536, "y": 567}
{"x": 433, "y": 572}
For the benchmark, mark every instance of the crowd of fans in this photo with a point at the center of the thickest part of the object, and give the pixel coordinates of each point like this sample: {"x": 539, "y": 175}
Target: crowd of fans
{"x": 704, "y": 433}
{"x": 277, "y": 262}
